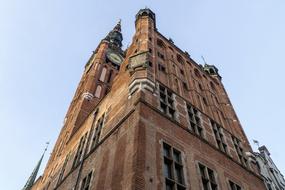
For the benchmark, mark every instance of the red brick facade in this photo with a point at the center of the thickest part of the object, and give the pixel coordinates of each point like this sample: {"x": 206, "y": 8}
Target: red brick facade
{"x": 159, "y": 96}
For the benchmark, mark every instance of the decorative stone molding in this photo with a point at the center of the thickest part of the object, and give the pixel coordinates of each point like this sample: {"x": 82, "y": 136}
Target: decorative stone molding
{"x": 137, "y": 62}
{"x": 87, "y": 95}
{"x": 251, "y": 157}
{"x": 141, "y": 84}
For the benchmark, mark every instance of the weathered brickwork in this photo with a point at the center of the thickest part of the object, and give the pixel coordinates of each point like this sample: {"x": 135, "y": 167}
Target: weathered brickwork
{"x": 113, "y": 138}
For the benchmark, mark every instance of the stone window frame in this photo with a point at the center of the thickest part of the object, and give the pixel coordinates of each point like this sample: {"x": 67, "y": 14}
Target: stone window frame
{"x": 209, "y": 177}
{"x": 166, "y": 101}
{"x": 233, "y": 185}
{"x": 240, "y": 151}
{"x": 195, "y": 120}
{"x": 85, "y": 183}
{"x": 80, "y": 150}
{"x": 219, "y": 136}
{"x": 172, "y": 158}
{"x": 96, "y": 131}
{"x": 63, "y": 169}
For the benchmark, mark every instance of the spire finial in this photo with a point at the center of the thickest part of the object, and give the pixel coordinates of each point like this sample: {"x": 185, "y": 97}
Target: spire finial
{"x": 118, "y": 26}
{"x": 47, "y": 143}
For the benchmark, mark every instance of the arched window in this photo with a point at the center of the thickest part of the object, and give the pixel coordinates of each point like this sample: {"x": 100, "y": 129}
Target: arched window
{"x": 110, "y": 76}
{"x": 103, "y": 74}
{"x": 98, "y": 91}
{"x": 180, "y": 59}
{"x": 212, "y": 86}
{"x": 197, "y": 73}
{"x": 160, "y": 43}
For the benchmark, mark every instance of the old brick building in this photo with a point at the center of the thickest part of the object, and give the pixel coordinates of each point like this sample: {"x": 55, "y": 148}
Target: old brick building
{"x": 149, "y": 118}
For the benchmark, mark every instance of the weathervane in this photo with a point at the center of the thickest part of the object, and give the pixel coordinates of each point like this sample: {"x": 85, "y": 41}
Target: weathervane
{"x": 256, "y": 142}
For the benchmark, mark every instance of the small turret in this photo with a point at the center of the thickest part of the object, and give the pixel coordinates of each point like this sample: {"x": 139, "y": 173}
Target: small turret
{"x": 146, "y": 12}
{"x": 212, "y": 70}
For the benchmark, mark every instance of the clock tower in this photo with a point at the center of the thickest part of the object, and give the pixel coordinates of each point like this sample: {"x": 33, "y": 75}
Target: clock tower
{"x": 100, "y": 70}
{"x": 97, "y": 78}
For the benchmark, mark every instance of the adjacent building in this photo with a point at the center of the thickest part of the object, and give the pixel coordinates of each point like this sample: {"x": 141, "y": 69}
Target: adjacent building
{"x": 149, "y": 117}
{"x": 272, "y": 177}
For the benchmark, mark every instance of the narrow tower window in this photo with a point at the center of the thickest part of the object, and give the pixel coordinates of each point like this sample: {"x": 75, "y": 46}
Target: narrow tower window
{"x": 98, "y": 91}
{"x": 110, "y": 76}
{"x": 103, "y": 74}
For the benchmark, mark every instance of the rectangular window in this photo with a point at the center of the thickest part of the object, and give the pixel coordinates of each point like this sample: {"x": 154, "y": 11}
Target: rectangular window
{"x": 80, "y": 150}
{"x": 234, "y": 186}
{"x": 195, "y": 120}
{"x": 160, "y": 55}
{"x": 173, "y": 168}
{"x": 161, "y": 68}
{"x": 219, "y": 136}
{"x": 185, "y": 86}
{"x": 240, "y": 151}
{"x": 97, "y": 132}
{"x": 208, "y": 178}
{"x": 85, "y": 185}
{"x": 166, "y": 101}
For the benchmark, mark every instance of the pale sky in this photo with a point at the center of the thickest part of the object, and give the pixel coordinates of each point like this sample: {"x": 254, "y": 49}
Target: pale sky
{"x": 44, "y": 46}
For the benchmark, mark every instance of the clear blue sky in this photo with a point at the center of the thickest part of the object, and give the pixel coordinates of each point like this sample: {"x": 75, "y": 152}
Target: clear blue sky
{"x": 44, "y": 46}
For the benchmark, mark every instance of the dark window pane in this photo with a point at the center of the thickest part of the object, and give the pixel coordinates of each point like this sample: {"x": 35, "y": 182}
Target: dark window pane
{"x": 166, "y": 150}
{"x": 169, "y": 185}
{"x": 167, "y": 169}
{"x": 176, "y": 156}
{"x": 213, "y": 186}
{"x": 83, "y": 183}
{"x": 179, "y": 187}
{"x": 179, "y": 174}
{"x": 202, "y": 171}
{"x": 211, "y": 175}
{"x": 205, "y": 185}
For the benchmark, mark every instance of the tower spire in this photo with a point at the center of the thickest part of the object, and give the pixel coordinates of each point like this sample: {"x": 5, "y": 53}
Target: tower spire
{"x": 115, "y": 36}
{"x": 33, "y": 176}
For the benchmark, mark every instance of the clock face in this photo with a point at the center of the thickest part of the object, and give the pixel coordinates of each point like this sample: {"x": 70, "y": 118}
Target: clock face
{"x": 115, "y": 58}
